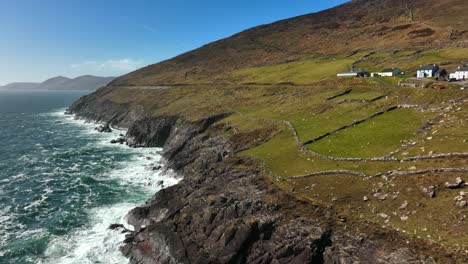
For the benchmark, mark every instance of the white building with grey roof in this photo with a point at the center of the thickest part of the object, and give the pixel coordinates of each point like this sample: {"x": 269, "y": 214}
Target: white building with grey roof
{"x": 427, "y": 71}
{"x": 461, "y": 73}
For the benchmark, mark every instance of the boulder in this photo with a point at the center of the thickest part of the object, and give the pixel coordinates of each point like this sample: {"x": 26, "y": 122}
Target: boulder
{"x": 129, "y": 238}
{"x": 116, "y": 226}
{"x": 404, "y": 205}
{"x": 429, "y": 191}
{"x": 461, "y": 201}
{"x": 459, "y": 183}
{"x": 156, "y": 167}
{"x": 119, "y": 140}
{"x": 104, "y": 128}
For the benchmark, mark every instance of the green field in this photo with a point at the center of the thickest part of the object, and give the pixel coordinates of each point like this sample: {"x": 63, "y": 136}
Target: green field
{"x": 297, "y": 92}
{"x": 375, "y": 138}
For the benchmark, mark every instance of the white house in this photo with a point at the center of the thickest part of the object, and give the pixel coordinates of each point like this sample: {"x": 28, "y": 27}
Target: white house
{"x": 387, "y": 73}
{"x": 460, "y": 74}
{"x": 427, "y": 71}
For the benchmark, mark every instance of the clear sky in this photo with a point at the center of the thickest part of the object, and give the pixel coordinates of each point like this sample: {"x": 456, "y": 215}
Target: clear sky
{"x": 40, "y": 39}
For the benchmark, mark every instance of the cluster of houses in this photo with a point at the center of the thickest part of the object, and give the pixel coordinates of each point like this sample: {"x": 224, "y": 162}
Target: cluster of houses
{"x": 434, "y": 71}
{"x": 424, "y": 71}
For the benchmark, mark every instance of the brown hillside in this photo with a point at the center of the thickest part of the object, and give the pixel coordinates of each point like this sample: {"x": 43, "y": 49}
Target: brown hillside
{"x": 355, "y": 26}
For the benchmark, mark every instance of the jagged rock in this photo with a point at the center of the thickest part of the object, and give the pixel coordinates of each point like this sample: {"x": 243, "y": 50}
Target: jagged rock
{"x": 156, "y": 168}
{"x": 461, "y": 200}
{"x": 459, "y": 183}
{"x": 119, "y": 140}
{"x": 131, "y": 142}
{"x": 150, "y": 132}
{"x": 129, "y": 238}
{"x": 104, "y": 128}
{"x": 430, "y": 191}
{"x": 451, "y": 185}
{"x": 116, "y": 226}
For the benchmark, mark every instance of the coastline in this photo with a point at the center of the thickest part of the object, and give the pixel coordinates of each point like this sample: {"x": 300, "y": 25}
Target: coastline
{"x": 227, "y": 210}
{"x": 89, "y": 241}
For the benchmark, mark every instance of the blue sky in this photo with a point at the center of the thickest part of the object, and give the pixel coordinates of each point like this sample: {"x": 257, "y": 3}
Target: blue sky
{"x": 40, "y": 39}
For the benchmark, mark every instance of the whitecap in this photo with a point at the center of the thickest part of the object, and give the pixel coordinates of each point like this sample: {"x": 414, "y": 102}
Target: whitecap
{"x": 40, "y": 201}
{"x": 95, "y": 243}
{"x": 5, "y": 216}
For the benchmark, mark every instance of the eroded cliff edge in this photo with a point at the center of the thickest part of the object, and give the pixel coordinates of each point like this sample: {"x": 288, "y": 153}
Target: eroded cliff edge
{"x": 227, "y": 210}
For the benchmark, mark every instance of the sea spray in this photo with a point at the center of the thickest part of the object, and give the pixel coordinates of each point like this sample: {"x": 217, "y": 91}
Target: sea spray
{"x": 62, "y": 184}
{"x": 95, "y": 242}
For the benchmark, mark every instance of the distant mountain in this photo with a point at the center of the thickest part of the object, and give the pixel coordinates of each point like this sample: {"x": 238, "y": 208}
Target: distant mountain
{"x": 20, "y": 86}
{"x": 87, "y": 82}
{"x": 54, "y": 83}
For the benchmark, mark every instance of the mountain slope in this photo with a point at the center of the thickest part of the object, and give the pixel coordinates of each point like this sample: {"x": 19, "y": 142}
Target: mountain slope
{"x": 360, "y": 25}
{"x": 20, "y": 86}
{"x": 55, "y": 82}
{"x": 86, "y": 82}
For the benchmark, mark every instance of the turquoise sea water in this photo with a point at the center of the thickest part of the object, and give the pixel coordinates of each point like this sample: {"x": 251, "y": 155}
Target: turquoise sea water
{"x": 62, "y": 183}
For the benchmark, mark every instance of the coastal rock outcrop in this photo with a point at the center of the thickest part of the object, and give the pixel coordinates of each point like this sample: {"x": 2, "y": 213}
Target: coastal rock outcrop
{"x": 226, "y": 210}
{"x": 149, "y": 132}
{"x": 104, "y": 128}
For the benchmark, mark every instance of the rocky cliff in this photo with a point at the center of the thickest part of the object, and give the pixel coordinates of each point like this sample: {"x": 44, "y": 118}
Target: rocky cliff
{"x": 227, "y": 210}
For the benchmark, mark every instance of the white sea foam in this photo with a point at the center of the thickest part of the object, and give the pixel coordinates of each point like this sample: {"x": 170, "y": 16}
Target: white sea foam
{"x": 89, "y": 127}
{"x": 95, "y": 243}
{"x": 39, "y": 201}
{"x": 5, "y": 218}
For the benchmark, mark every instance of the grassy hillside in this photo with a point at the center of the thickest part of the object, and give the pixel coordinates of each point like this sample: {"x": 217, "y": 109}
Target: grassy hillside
{"x": 271, "y": 122}
{"x": 362, "y": 146}
{"x": 385, "y": 27}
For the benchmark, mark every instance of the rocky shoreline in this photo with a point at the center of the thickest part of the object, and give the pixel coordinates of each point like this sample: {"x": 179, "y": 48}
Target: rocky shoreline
{"x": 227, "y": 210}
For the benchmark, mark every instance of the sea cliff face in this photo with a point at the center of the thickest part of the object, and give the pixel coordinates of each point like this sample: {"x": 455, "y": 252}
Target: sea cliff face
{"x": 227, "y": 210}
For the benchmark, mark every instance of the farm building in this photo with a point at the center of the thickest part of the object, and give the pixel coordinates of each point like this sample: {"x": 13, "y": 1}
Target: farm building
{"x": 460, "y": 74}
{"x": 388, "y": 72}
{"x": 440, "y": 73}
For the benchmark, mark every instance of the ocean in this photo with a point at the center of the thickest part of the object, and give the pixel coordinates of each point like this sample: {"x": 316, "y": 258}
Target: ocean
{"x": 62, "y": 183}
